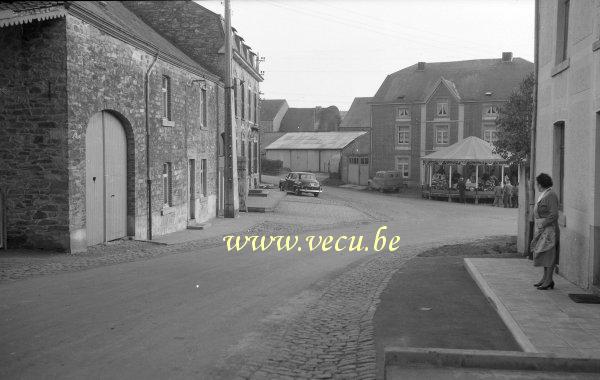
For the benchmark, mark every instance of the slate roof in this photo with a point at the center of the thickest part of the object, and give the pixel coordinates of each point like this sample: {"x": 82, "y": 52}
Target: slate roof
{"x": 472, "y": 150}
{"x": 314, "y": 140}
{"x": 298, "y": 120}
{"x": 23, "y": 12}
{"x": 115, "y": 13}
{"x": 359, "y": 114}
{"x": 269, "y": 108}
{"x": 470, "y": 79}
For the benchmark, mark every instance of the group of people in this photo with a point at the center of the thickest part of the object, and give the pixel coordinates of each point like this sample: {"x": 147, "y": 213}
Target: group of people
{"x": 507, "y": 196}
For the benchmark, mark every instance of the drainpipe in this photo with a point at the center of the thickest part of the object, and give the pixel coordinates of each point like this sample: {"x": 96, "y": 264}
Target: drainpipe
{"x": 531, "y": 192}
{"x": 147, "y": 125}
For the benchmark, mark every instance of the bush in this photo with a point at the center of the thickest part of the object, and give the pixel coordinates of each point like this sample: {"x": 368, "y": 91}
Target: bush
{"x": 272, "y": 167}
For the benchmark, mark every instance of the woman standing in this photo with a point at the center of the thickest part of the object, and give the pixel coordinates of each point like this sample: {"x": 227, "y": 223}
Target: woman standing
{"x": 546, "y": 231}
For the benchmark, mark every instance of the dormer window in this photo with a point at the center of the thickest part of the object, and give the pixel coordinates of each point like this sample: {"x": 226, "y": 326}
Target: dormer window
{"x": 490, "y": 111}
{"x": 402, "y": 113}
{"x": 442, "y": 109}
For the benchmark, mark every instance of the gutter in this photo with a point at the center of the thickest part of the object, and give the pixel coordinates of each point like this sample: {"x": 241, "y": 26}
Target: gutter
{"x": 147, "y": 125}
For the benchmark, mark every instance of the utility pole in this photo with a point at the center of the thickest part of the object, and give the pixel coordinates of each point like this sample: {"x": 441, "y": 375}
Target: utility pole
{"x": 231, "y": 183}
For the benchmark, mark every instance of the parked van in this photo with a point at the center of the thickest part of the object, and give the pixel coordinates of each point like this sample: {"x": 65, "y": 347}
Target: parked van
{"x": 386, "y": 180}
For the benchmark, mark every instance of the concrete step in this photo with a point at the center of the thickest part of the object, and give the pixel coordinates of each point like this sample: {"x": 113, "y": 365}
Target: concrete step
{"x": 198, "y": 226}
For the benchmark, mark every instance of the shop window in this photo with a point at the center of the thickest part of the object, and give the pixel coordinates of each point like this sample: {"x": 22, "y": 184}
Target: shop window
{"x": 403, "y": 165}
{"x": 167, "y": 177}
{"x": 402, "y": 113}
{"x": 442, "y": 109}
{"x": 559, "y": 161}
{"x": 403, "y": 135}
{"x": 166, "y": 97}
{"x": 562, "y": 31}
{"x": 442, "y": 135}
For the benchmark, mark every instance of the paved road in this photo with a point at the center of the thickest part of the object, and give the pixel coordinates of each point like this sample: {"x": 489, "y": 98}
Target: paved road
{"x": 206, "y": 313}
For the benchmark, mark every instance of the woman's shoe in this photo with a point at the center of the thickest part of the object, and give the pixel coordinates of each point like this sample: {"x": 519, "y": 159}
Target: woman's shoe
{"x": 538, "y": 284}
{"x": 549, "y": 286}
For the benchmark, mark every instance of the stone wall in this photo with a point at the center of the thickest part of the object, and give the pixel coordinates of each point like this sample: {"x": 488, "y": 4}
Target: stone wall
{"x": 33, "y": 134}
{"x": 108, "y": 74}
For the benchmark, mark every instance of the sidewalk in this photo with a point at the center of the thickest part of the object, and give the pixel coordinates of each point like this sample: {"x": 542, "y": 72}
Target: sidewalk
{"x": 541, "y": 321}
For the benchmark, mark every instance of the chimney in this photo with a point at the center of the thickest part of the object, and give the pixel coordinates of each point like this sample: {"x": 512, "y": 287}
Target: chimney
{"x": 421, "y": 66}
{"x": 507, "y": 56}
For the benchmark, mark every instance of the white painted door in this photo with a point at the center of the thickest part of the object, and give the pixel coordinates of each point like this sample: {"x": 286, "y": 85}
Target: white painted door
{"x": 106, "y": 179}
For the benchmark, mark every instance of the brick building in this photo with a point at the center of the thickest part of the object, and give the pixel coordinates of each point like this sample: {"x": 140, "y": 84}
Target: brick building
{"x": 568, "y": 130}
{"x": 427, "y": 106}
{"x": 76, "y": 129}
{"x": 178, "y": 22}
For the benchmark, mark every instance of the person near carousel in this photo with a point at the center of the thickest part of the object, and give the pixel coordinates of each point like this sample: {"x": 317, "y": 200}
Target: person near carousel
{"x": 544, "y": 244}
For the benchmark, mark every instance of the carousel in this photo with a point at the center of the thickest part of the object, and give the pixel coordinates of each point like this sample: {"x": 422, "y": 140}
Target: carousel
{"x": 472, "y": 159}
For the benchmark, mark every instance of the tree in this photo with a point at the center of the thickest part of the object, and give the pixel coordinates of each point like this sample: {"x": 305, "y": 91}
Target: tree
{"x": 514, "y": 123}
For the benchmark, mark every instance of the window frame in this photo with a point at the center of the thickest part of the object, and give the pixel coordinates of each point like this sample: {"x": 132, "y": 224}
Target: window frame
{"x": 490, "y": 116}
{"x": 437, "y": 129}
{"x": 203, "y": 108}
{"x": 403, "y": 171}
{"x": 167, "y": 179}
{"x": 442, "y": 105}
{"x": 562, "y": 31}
{"x": 203, "y": 178}
{"x": 493, "y": 129}
{"x": 166, "y": 100}
{"x": 400, "y": 116}
{"x": 406, "y": 132}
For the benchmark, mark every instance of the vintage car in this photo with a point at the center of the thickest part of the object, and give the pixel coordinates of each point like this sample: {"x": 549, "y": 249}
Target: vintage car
{"x": 386, "y": 180}
{"x": 300, "y": 182}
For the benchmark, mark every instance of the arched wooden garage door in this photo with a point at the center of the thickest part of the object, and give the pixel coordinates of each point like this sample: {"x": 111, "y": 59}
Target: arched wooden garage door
{"x": 106, "y": 179}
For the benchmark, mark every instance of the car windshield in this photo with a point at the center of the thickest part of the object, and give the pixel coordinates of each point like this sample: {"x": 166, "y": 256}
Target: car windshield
{"x": 307, "y": 176}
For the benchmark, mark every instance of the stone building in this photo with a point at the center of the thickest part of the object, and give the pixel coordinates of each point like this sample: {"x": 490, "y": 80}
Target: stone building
{"x": 568, "y": 130}
{"x": 85, "y": 157}
{"x": 178, "y": 22}
{"x": 427, "y": 106}
{"x": 272, "y": 112}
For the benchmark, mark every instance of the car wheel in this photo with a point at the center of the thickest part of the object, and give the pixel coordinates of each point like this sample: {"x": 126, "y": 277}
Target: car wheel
{"x": 298, "y": 192}
{"x": 316, "y": 194}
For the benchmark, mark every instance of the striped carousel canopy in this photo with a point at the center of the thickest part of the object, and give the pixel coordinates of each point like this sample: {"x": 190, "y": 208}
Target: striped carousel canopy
{"x": 470, "y": 151}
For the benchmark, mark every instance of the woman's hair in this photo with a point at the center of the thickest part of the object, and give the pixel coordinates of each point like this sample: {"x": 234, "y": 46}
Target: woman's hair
{"x": 544, "y": 180}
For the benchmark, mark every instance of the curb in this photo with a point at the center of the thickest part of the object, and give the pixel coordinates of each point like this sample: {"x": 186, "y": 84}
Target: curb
{"x": 512, "y": 325}
{"x": 502, "y": 360}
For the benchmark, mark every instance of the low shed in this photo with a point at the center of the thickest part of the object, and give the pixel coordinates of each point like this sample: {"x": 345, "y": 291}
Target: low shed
{"x": 311, "y": 151}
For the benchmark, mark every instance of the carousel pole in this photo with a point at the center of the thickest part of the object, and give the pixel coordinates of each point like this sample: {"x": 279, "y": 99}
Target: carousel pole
{"x": 502, "y": 177}
{"x": 476, "y": 176}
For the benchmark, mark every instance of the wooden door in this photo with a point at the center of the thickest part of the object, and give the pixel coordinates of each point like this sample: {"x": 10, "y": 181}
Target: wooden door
{"x": 106, "y": 179}
{"x": 115, "y": 174}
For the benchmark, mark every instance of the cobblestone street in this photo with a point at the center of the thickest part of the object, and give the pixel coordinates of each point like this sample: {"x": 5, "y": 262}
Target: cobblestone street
{"x": 266, "y": 315}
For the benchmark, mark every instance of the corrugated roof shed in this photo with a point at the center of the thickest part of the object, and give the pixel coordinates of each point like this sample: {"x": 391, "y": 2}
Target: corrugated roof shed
{"x": 314, "y": 140}
{"x": 269, "y": 108}
{"x": 358, "y": 115}
{"x": 471, "y": 80}
{"x": 298, "y": 120}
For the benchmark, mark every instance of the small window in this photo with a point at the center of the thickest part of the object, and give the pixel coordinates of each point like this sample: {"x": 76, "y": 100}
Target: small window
{"x": 442, "y": 109}
{"x": 490, "y": 134}
{"x": 442, "y": 135}
{"x": 364, "y": 160}
{"x": 403, "y": 135}
{"x": 243, "y": 92}
{"x": 235, "y": 97}
{"x": 166, "y": 97}
{"x": 402, "y": 113}
{"x": 402, "y": 165}
{"x": 167, "y": 176}
{"x": 559, "y": 162}
{"x": 203, "y": 108}
{"x": 490, "y": 111}
{"x": 203, "y": 178}
{"x": 562, "y": 31}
